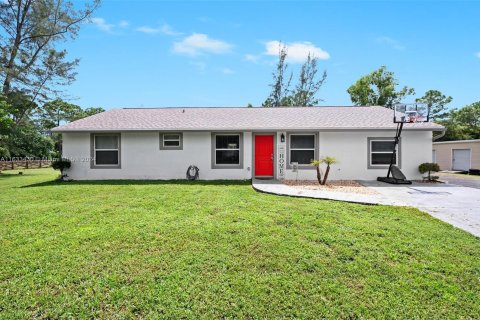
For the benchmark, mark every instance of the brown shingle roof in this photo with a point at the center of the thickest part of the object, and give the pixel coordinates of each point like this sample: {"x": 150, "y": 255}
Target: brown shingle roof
{"x": 287, "y": 118}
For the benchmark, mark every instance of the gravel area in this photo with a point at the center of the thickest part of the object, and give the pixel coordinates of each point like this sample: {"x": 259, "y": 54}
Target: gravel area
{"x": 344, "y": 186}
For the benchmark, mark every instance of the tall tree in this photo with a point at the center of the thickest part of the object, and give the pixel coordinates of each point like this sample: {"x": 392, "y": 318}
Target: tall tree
{"x": 281, "y": 82}
{"x": 378, "y": 88}
{"x": 453, "y": 130}
{"x": 24, "y": 137}
{"x": 463, "y": 123}
{"x": 28, "y": 141}
{"x": 308, "y": 84}
{"x": 5, "y": 120}
{"x": 57, "y": 112}
{"x": 87, "y": 113}
{"x": 436, "y": 103}
{"x": 6, "y": 123}
{"x": 304, "y": 93}
{"x": 468, "y": 118}
{"x": 29, "y": 61}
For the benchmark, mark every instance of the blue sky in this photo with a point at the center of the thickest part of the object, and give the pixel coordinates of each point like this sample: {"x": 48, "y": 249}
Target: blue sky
{"x": 175, "y": 53}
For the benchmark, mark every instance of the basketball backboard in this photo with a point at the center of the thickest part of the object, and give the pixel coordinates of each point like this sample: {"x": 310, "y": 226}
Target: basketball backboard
{"x": 410, "y": 113}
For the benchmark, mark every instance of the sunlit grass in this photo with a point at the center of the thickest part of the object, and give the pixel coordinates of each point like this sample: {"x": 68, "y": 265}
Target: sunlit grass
{"x": 220, "y": 250}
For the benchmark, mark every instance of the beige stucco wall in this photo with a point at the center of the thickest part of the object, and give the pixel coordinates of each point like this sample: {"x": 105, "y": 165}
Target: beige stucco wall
{"x": 444, "y": 153}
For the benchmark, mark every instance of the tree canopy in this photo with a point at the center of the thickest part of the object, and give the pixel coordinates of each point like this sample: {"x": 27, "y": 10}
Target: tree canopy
{"x": 308, "y": 85}
{"x": 463, "y": 123}
{"x": 436, "y": 103}
{"x": 30, "y": 137}
{"x": 57, "y": 112}
{"x": 30, "y": 61}
{"x": 281, "y": 82}
{"x": 378, "y": 88}
{"x": 33, "y": 70}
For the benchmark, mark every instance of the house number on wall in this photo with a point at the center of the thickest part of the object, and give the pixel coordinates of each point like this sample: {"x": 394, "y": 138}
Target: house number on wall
{"x": 281, "y": 162}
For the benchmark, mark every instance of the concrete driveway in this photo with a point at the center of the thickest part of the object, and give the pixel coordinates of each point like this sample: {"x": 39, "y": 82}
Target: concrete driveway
{"x": 460, "y": 179}
{"x": 455, "y": 204}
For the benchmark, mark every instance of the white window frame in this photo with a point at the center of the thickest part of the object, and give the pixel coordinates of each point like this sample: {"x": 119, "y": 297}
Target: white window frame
{"x": 314, "y": 149}
{"x": 176, "y": 140}
{"x": 371, "y": 152}
{"x": 179, "y": 140}
{"x": 94, "y": 150}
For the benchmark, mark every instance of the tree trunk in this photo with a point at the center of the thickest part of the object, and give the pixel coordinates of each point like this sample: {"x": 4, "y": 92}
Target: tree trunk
{"x": 20, "y": 20}
{"x": 326, "y": 175}
{"x": 319, "y": 175}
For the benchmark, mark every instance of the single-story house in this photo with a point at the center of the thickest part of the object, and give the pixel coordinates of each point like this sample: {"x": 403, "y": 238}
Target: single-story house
{"x": 242, "y": 143}
{"x": 460, "y": 155}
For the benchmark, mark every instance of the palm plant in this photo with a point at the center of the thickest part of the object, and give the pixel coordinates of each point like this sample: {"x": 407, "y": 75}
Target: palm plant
{"x": 329, "y": 161}
{"x": 317, "y": 163}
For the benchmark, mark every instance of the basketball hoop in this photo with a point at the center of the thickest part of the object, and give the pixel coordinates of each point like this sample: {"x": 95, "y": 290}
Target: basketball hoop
{"x": 403, "y": 113}
{"x": 410, "y": 113}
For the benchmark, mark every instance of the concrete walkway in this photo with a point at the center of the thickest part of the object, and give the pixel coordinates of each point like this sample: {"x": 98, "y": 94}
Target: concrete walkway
{"x": 454, "y": 204}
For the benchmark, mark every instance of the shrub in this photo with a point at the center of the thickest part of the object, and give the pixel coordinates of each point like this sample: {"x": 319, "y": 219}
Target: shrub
{"x": 429, "y": 167}
{"x": 61, "y": 164}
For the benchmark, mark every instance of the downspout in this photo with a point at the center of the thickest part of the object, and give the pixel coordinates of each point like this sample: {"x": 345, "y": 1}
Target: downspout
{"x": 440, "y": 135}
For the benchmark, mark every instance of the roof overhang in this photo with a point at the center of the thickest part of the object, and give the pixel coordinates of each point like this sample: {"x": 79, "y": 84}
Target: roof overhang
{"x": 458, "y": 141}
{"x": 245, "y": 129}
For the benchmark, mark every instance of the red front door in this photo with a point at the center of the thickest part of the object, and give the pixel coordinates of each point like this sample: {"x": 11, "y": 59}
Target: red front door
{"x": 264, "y": 155}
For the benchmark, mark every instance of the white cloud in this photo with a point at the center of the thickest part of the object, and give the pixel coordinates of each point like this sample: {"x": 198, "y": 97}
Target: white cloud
{"x": 228, "y": 71}
{"x": 391, "y": 42}
{"x": 297, "y": 52}
{"x": 477, "y": 54}
{"x": 198, "y": 43}
{"x": 148, "y": 30}
{"x": 123, "y": 24}
{"x": 165, "y": 29}
{"x": 252, "y": 57}
{"x": 102, "y": 24}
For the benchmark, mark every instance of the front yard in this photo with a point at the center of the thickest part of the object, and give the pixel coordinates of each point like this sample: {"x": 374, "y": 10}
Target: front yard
{"x": 220, "y": 250}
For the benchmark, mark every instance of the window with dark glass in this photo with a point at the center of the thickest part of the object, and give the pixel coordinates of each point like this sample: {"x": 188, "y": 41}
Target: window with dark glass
{"x": 302, "y": 148}
{"x": 381, "y": 152}
{"x": 227, "y": 149}
{"x": 106, "y": 149}
{"x": 171, "y": 140}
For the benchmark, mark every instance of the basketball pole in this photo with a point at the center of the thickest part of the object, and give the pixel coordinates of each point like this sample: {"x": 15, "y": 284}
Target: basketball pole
{"x": 394, "y": 154}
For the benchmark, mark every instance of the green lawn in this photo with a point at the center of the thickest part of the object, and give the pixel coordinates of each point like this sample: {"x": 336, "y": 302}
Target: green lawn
{"x": 220, "y": 250}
